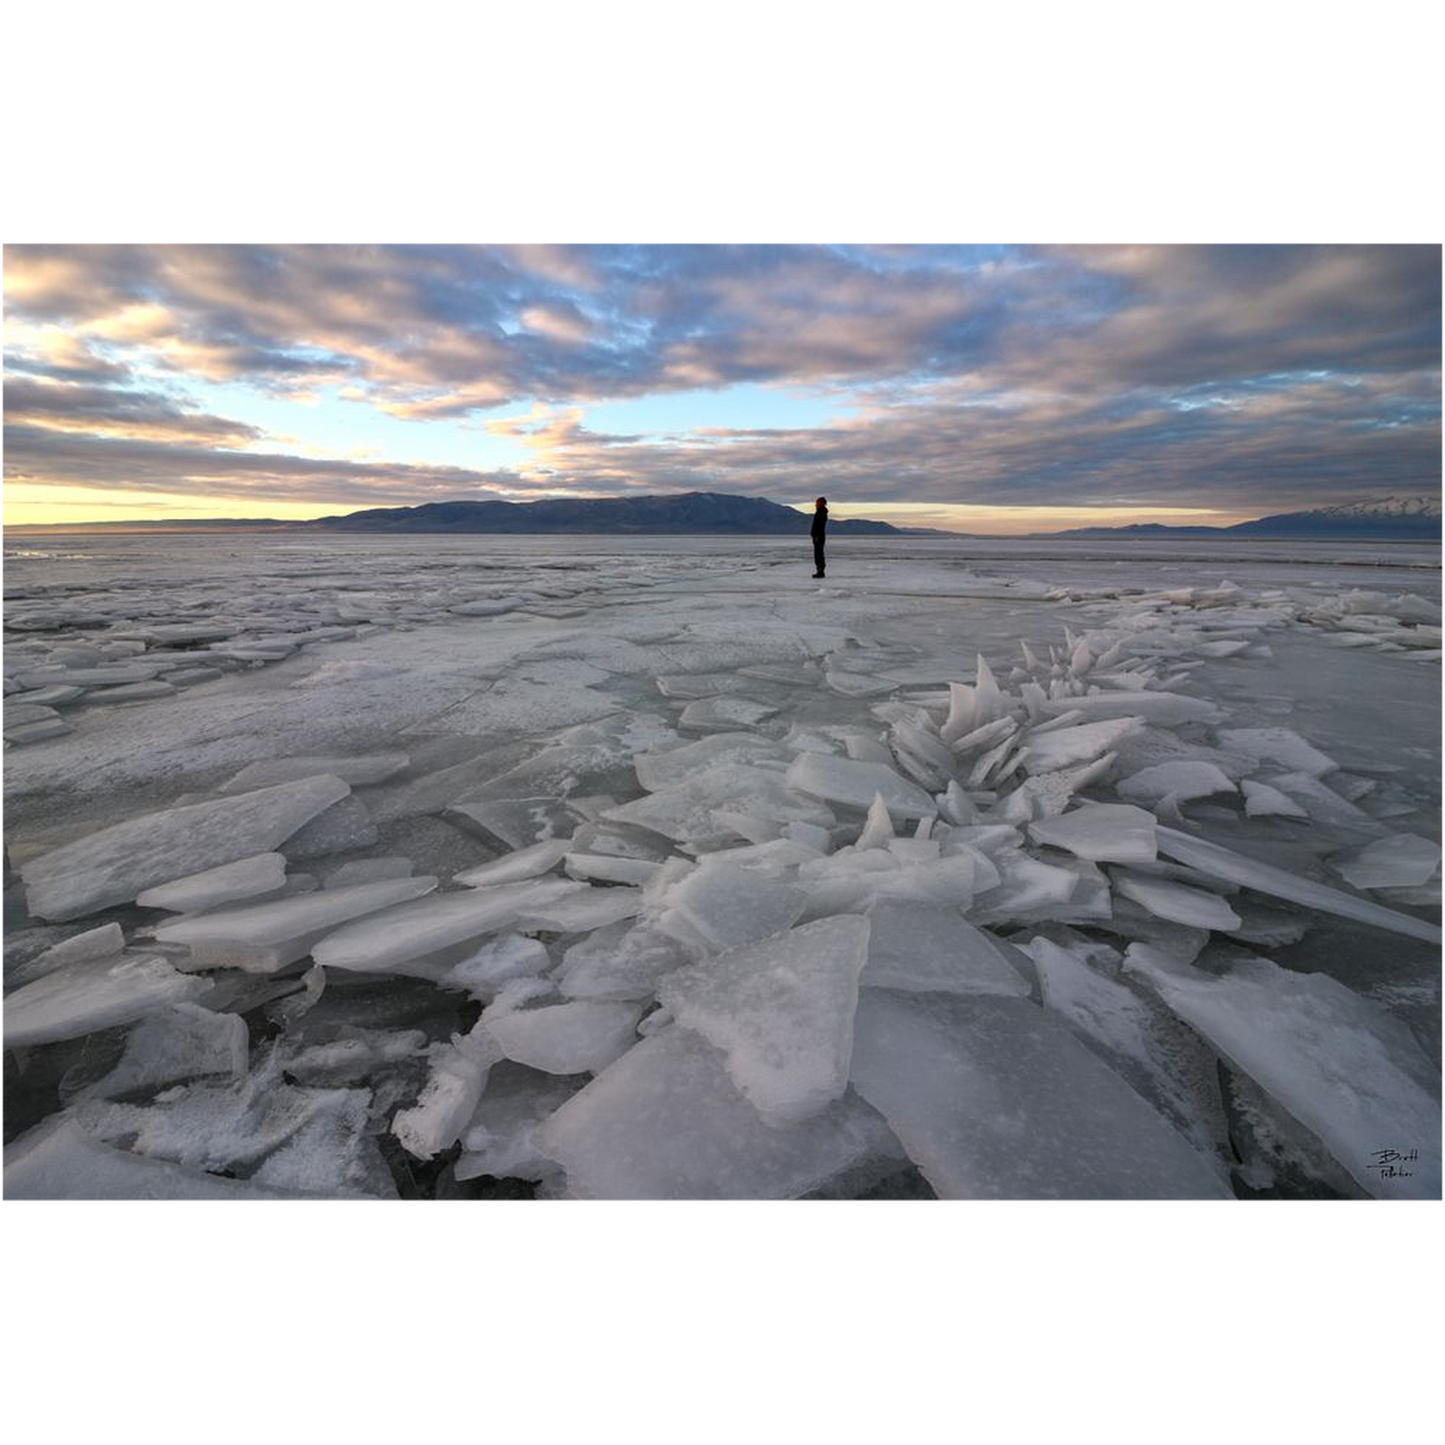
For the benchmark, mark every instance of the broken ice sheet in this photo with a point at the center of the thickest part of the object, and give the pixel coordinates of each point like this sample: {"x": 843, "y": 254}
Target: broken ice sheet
{"x": 667, "y": 1122}
{"x": 1404, "y": 861}
{"x": 180, "y": 1042}
{"x": 499, "y": 1139}
{"x": 782, "y": 1012}
{"x": 94, "y": 994}
{"x": 116, "y": 864}
{"x": 244, "y": 878}
{"x": 1100, "y": 832}
{"x": 856, "y": 785}
{"x": 923, "y": 948}
{"x": 578, "y": 1037}
{"x": 1339, "y": 1064}
{"x": 994, "y": 1099}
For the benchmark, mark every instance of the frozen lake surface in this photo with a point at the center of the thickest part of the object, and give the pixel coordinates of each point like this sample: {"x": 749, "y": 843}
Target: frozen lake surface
{"x": 652, "y": 868}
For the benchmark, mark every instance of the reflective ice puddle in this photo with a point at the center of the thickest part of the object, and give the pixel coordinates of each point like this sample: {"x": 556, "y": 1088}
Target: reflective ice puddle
{"x": 477, "y": 867}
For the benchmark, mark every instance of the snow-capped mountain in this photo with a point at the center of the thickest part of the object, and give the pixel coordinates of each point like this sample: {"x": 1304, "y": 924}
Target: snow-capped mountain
{"x": 1398, "y": 519}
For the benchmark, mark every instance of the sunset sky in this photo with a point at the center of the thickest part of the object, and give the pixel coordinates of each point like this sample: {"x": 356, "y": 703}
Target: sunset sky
{"x": 989, "y": 389}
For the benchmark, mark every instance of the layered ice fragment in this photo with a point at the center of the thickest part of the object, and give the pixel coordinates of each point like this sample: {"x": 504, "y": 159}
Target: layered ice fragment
{"x": 781, "y": 1011}
{"x": 855, "y": 785}
{"x": 1404, "y": 861}
{"x": 993, "y": 1099}
{"x": 1100, "y": 832}
{"x": 923, "y": 948}
{"x": 244, "y": 878}
{"x": 666, "y": 1121}
{"x": 579, "y": 1037}
{"x": 1339, "y": 1064}
{"x": 118, "y": 863}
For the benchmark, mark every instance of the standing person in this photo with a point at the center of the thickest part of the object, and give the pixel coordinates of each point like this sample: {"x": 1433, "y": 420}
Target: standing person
{"x": 820, "y": 530}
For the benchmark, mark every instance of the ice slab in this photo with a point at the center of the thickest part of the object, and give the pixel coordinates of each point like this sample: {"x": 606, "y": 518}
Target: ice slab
{"x": 1100, "y": 832}
{"x": 523, "y": 863}
{"x": 1262, "y": 801}
{"x": 994, "y": 1099}
{"x": 180, "y": 1042}
{"x": 116, "y": 864}
{"x": 580, "y": 912}
{"x": 1179, "y": 781}
{"x": 500, "y": 1137}
{"x": 458, "y": 1074}
{"x": 1177, "y": 902}
{"x": 381, "y": 941}
{"x": 244, "y": 878}
{"x": 1233, "y": 867}
{"x": 782, "y": 1012}
{"x": 686, "y": 811}
{"x": 1083, "y": 743}
{"x": 1161, "y": 709}
{"x": 725, "y": 713}
{"x": 667, "y": 767}
{"x": 95, "y": 994}
{"x": 724, "y": 906}
{"x": 344, "y": 826}
{"x": 484, "y": 972}
{"x": 1278, "y": 745}
{"x": 1143, "y": 1042}
{"x": 357, "y": 771}
{"x": 370, "y": 870}
{"x": 579, "y": 1037}
{"x": 266, "y": 937}
{"x": 1404, "y": 861}
{"x": 620, "y": 961}
{"x": 1340, "y": 1065}
{"x": 923, "y": 948}
{"x": 856, "y": 785}
{"x": 99, "y": 942}
{"x": 667, "y": 1122}
{"x": 59, "y": 1160}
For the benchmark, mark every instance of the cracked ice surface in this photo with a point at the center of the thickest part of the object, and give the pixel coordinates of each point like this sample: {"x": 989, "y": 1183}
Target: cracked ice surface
{"x": 982, "y": 869}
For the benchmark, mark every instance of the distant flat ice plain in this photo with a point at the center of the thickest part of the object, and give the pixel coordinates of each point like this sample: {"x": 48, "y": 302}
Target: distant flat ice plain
{"x": 855, "y": 925}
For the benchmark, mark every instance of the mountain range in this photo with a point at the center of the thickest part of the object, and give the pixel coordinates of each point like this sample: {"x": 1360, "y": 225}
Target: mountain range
{"x": 1389, "y": 519}
{"x": 1412, "y": 518}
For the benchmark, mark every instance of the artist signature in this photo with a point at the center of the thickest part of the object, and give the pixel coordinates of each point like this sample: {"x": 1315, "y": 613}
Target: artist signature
{"x": 1391, "y": 1162}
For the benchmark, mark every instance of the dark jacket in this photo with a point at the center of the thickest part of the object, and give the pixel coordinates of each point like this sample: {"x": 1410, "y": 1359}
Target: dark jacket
{"x": 820, "y": 523}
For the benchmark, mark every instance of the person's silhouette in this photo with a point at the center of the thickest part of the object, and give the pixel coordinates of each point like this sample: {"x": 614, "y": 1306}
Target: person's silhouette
{"x": 820, "y": 531}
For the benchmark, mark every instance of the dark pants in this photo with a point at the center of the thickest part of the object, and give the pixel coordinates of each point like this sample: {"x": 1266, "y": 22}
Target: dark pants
{"x": 817, "y": 554}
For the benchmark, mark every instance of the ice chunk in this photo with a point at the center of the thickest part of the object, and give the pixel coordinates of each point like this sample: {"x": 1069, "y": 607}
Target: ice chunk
{"x": 519, "y": 822}
{"x": 492, "y": 965}
{"x": 666, "y": 1122}
{"x": 668, "y": 767}
{"x": 782, "y": 1012}
{"x": 1340, "y": 1065}
{"x": 374, "y": 768}
{"x": 1101, "y": 832}
{"x": 687, "y": 811}
{"x": 609, "y": 868}
{"x": 266, "y": 937}
{"x": 380, "y": 942}
{"x": 993, "y": 1099}
{"x": 621, "y": 961}
{"x": 99, "y": 942}
{"x": 370, "y": 870}
{"x": 1176, "y": 901}
{"x": 500, "y": 1138}
{"x": 1080, "y": 744}
{"x": 1278, "y": 745}
{"x": 1141, "y": 1041}
{"x": 1220, "y": 862}
{"x": 1262, "y": 801}
{"x": 1180, "y": 781}
{"x": 342, "y": 827}
{"x": 94, "y": 994}
{"x": 59, "y": 1160}
{"x": 725, "y": 905}
{"x": 523, "y": 863}
{"x": 1162, "y": 709}
{"x": 1323, "y": 804}
{"x": 579, "y": 1037}
{"x": 458, "y": 1075}
{"x": 973, "y": 707}
{"x": 181, "y": 1042}
{"x": 582, "y": 911}
{"x": 924, "y": 948}
{"x": 878, "y": 830}
{"x": 116, "y": 864}
{"x": 856, "y": 785}
{"x": 244, "y": 878}
{"x": 1404, "y": 861}
{"x": 725, "y": 712}
{"x": 1026, "y": 886}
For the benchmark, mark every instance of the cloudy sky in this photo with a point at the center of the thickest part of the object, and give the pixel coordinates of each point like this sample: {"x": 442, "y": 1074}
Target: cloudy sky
{"x": 982, "y": 388}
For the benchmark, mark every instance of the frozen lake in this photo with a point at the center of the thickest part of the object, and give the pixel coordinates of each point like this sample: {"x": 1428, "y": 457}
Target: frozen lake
{"x": 780, "y": 892}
